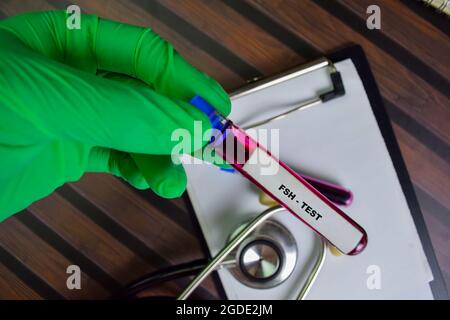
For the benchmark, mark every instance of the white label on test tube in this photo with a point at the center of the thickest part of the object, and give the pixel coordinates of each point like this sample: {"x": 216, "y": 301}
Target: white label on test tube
{"x": 303, "y": 202}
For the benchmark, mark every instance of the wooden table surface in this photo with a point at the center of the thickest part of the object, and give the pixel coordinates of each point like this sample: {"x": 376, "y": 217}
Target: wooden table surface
{"x": 116, "y": 234}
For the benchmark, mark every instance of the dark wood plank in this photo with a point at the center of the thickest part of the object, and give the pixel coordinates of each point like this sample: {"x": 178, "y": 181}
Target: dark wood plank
{"x": 166, "y": 241}
{"x": 242, "y": 37}
{"x": 427, "y": 170}
{"x": 12, "y": 288}
{"x": 91, "y": 240}
{"x": 152, "y": 227}
{"x": 45, "y": 261}
{"x": 10, "y": 8}
{"x": 397, "y": 84}
{"x": 417, "y": 35}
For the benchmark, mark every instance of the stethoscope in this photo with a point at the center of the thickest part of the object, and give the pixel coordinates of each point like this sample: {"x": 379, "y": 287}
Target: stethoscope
{"x": 261, "y": 253}
{"x": 262, "y": 241}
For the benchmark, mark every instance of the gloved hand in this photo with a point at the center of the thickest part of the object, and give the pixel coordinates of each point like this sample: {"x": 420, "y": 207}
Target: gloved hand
{"x": 102, "y": 98}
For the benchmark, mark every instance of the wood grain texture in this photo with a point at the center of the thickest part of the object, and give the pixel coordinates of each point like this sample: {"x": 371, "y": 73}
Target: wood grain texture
{"x": 91, "y": 240}
{"x": 12, "y": 288}
{"x": 416, "y": 35}
{"x": 395, "y": 81}
{"x": 259, "y": 49}
{"x": 44, "y": 260}
{"x": 120, "y": 234}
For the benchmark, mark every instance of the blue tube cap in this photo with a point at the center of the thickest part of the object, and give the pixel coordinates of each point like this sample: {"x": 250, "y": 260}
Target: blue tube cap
{"x": 203, "y": 105}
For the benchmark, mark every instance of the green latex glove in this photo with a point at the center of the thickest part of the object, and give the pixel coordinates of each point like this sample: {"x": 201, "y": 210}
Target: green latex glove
{"x": 102, "y": 98}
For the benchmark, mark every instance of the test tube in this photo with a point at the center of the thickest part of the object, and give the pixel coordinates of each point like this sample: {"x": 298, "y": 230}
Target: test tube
{"x": 335, "y": 193}
{"x": 285, "y": 186}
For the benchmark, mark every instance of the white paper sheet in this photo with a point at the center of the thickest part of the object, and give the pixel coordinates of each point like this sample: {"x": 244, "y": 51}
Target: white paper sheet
{"x": 338, "y": 141}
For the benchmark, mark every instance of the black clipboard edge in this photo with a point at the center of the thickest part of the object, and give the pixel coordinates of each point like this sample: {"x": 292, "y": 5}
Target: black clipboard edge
{"x": 358, "y": 57}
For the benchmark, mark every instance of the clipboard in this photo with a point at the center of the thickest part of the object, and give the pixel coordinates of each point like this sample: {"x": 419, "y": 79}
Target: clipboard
{"x": 357, "y": 57}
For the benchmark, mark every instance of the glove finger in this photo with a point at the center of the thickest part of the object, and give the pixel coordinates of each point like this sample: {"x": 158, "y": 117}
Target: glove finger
{"x": 165, "y": 178}
{"x": 117, "y": 163}
{"x": 205, "y": 153}
{"x": 98, "y": 111}
{"x": 143, "y": 54}
{"x": 140, "y": 53}
{"x": 141, "y": 171}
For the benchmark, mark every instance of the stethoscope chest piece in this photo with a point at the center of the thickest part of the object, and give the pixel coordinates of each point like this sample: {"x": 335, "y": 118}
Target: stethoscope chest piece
{"x": 260, "y": 254}
{"x": 266, "y": 257}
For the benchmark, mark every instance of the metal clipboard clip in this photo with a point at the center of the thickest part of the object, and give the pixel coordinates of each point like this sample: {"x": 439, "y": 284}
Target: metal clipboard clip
{"x": 337, "y": 90}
